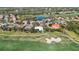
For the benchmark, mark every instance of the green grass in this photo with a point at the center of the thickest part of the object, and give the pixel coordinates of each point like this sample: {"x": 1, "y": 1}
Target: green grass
{"x": 7, "y": 44}
{"x": 10, "y": 45}
{"x": 34, "y": 43}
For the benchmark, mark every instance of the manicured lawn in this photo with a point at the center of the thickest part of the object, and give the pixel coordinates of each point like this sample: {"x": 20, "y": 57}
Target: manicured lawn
{"x": 35, "y": 43}
{"x": 10, "y": 45}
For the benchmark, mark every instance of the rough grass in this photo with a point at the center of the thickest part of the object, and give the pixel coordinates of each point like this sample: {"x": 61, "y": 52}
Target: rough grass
{"x": 73, "y": 35}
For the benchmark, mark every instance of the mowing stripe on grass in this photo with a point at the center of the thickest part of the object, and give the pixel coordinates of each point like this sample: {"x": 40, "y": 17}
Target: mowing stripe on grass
{"x": 21, "y": 35}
